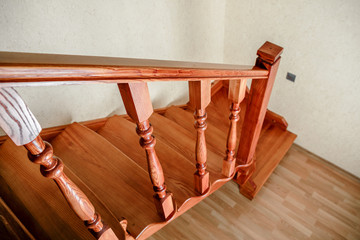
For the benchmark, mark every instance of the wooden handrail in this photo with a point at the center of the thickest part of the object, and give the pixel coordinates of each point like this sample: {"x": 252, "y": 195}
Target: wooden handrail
{"x": 28, "y": 69}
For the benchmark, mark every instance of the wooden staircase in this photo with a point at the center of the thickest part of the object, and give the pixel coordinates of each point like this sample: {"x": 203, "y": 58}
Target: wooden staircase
{"x": 112, "y": 172}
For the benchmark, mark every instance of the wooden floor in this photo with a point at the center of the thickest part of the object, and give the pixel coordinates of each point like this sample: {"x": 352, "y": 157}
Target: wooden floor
{"x": 305, "y": 198}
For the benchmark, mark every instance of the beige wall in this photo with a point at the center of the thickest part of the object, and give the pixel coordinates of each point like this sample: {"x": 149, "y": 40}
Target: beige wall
{"x": 322, "y": 47}
{"x": 178, "y": 30}
{"x": 321, "y": 41}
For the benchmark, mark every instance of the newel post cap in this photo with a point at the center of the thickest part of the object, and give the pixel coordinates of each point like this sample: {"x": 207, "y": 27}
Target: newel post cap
{"x": 269, "y": 52}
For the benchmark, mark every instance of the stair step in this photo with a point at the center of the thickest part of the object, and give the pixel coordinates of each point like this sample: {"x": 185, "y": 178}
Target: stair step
{"x": 119, "y": 182}
{"x": 178, "y": 170}
{"x": 184, "y": 142}
{"x": 37, "y": 201}
{"x": 215, "y": 138}
{"x": 273, "y": 144}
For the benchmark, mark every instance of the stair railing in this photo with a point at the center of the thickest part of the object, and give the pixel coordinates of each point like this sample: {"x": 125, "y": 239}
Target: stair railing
{"x": 22, "y": 127}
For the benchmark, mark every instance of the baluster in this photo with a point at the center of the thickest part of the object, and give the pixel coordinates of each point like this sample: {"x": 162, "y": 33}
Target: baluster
{"x": 268, "y": 58}
{"x": 200, "y": 97}
{"x": 237, "y": 89}
{"x": 22, "y": 127}
{"x": 138, "y": 106}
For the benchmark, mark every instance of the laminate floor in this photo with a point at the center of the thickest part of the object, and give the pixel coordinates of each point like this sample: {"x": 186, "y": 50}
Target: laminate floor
{"x": 305, "y": 198}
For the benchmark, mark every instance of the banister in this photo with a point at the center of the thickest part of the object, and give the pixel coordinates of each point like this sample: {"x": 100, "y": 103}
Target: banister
{"x": 29, "y": 69}
{"x": 131, "y": 75}
{"x": 22, "y": 127}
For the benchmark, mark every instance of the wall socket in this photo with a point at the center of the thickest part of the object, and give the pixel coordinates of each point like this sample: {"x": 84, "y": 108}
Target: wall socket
{"x": 290, "y": 77}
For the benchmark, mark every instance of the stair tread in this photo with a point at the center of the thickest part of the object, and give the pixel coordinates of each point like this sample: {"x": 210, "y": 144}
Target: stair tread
{"x": 183, "y": 142}
{"x": 272, "y": 147}
{"x": 215, "y": 138}
{"x": 121, "y": 184}
{"x": 178, "y": 171}
{"x": 36, "y": 200}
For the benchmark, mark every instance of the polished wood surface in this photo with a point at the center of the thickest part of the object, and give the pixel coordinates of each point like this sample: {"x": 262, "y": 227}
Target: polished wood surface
{"x": 138, "y": 106}
{"x": 270, "y": 52}
{"x": 122, "y": 182}
{"x": 52, "y": 167}
{"x": 49, "y": 134}
{"x": 38, "y": 203}
{"x": 111, "y": 170}
{"x": 229, "y": 161}
{"x": 259, "y": 97}
{"x": 26, "y": 69}
{"x": 199, "y": 98}
{"x": 237, "y": 91}
{"x": 16, "y": 119}
{"x": 305, "y": 198}
{"x": 10, "y": 226}
{"x": 136, "y": 100}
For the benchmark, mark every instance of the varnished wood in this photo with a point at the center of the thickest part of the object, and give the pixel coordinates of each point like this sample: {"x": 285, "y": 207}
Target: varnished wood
{"x": 38, "y": 203}
{"x": 274, "y": 141}
{"x": 26, "y": 69}
{"x": 237, "y": 91}
{"x": 10, "y": 226}
{"x": 52, "y": 167}
{"x": 83, "y": 152}
{"x": 229, "y": 161}
{"x": 16, "y": 119}
{"x": 49, "y": 134}
{"x": 78, "y": 142}
{"x": 255, "y": 113}
{"x": 136, "y": 100}
{"x": 199, "y": 98}
{"x": 276, "y": 119}
{"x": 269, "y": 52}
{"x": 138, "y": 106}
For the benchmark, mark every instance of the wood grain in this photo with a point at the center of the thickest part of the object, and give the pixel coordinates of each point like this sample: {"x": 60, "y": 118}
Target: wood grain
{"x": 138, "y": 106}
{"x": 38, "y": 203}
{"x": 22, "y": 69}
{"x": 199, "y": 99}
{"x": 136, "y": 100}
{"x": 52, "y": 167}
{"x": 255, "y": 113}
{"x": 16, "y": 119}
{"x": 229, "y": 161}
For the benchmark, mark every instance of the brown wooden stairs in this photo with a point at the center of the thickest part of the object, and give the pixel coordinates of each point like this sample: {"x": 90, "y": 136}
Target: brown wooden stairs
{"x": 110, "y": 171}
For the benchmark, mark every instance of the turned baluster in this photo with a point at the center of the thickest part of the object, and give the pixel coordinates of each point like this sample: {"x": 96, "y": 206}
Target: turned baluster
{"x": 22, "y": 127}
{"x": 237, "y": 90}
{"x": 138, "y": 106}
{"x": 268, "y": 58}
{"x": 200, "y": 97}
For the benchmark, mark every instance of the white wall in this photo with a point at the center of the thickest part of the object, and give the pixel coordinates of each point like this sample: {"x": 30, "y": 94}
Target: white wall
{"x": 321, "y": 41}
{"x": 159, "y": 29}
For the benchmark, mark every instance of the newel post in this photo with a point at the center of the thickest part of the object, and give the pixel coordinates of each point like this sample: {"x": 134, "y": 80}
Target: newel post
{"x": 200, "y": 97}
{"x": 22, "y": 127}
{"x": 268, "y": 58}
{"x": 138, "y": 106}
